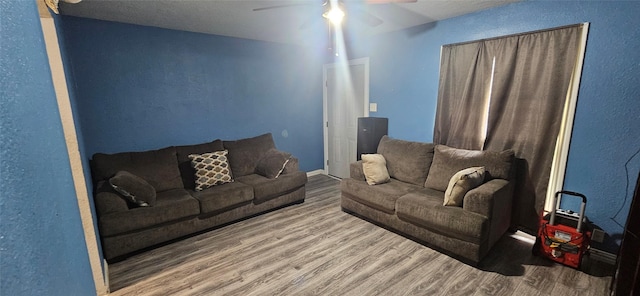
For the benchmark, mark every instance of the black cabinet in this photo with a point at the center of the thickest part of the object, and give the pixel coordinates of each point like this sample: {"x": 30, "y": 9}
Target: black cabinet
{"x": 626, "y": 280}
{"x": 370, "y": 131}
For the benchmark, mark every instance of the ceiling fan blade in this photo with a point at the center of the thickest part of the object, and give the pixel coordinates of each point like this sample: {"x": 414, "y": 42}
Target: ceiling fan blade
{"x": 282, "y": 6}
{"x": 366, "y": 17}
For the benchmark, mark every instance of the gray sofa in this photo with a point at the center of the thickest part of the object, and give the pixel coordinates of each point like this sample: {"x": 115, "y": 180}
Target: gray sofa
{"x": 263, "y": 179}
{"x": 411, "y": 203}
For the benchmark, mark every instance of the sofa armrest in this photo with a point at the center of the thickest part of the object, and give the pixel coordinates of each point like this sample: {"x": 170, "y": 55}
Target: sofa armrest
{"x": 107, "y": 200}
{"x": 494, "y": 200}
{"x": 355, "y": 171}
{"x": 484, "y": 198}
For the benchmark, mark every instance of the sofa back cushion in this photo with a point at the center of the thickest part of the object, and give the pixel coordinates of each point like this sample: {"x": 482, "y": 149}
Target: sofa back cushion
{"x": 158, "y": 167}
{"x": 447, "y": 161}
{"x": 244, "y": 154}
{"x": 407, "y": 161}
{"x": 184, "y": 163}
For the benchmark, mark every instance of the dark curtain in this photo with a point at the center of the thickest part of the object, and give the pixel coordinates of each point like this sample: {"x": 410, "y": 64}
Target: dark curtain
{"x": 526, "y": 113}
{"x": 463, "y": 85}
{"x": 524, "y": 79}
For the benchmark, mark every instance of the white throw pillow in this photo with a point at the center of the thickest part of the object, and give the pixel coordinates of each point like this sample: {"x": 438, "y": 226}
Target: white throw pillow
{"x": 374, "y": 167}
{"x": 461, "y": 183}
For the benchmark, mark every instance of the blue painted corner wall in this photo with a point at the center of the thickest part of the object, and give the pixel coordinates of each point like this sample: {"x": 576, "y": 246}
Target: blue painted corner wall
{"x": 42, "y": 247}
{"x": 141, "y": 88}
{"x": 603, "y": 162}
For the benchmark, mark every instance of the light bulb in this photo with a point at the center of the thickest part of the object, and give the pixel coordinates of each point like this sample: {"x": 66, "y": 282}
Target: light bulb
{"x": 335, "y": 15}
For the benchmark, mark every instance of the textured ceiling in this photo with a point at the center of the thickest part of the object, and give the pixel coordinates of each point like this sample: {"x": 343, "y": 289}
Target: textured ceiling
{"x": 294, "y": 24}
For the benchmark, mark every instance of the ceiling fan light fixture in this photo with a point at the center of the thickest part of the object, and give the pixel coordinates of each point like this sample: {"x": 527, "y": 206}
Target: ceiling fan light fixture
{"x": 334, "y": 12}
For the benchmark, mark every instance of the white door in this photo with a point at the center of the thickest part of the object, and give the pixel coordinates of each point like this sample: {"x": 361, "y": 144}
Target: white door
{"x": 346, "y": 95}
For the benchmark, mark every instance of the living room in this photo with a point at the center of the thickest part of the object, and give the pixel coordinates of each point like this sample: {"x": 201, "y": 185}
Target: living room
{"x": 138, "y": 88}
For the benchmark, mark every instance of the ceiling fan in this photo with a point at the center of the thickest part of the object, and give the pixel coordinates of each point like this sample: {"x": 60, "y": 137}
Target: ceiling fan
{"x": 335, "y": 11}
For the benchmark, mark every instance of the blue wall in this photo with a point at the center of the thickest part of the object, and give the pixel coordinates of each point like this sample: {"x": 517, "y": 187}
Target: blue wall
{"x": 41, "y": 239}
{"x": 404, "y": 83}
{"x": 140, "y": 88}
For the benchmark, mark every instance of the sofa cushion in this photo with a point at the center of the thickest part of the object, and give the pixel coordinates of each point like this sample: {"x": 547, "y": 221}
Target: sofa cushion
{"x": 407, "y": 161}
{"x": 184, "y": 163}
{"x": 381, "y": 197}
{"x": 134, "y": 189}
{"x": 265, "y": 189}
{"x": 272, "y": 163}
{"x": 427, "y": 211}
{"x": 447, "y": 161}
{"x": 461, "y": 183}
{"x": 223, "y": 197}
{"x": 171, "y": 205}
{"x": 245, "y": 153}
{"x": 211, "y": 169}
{"x": 374, "y": 168}
{"x": 158, "y": 167}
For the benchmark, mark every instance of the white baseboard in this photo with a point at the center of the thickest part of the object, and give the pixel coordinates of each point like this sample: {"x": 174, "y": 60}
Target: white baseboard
{"x": 106, "y": 275}
{"x": 316, "y": 172}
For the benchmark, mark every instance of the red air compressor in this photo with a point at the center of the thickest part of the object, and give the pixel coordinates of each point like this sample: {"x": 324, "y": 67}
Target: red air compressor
{"x": 563, "y": 235}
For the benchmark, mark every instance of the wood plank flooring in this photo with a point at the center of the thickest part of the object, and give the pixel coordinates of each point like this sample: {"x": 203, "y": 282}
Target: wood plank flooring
{"x": 316, "y": 249}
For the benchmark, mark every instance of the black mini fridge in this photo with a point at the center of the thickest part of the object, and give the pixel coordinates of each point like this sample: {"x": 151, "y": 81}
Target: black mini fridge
{"x": 370, "y": 131}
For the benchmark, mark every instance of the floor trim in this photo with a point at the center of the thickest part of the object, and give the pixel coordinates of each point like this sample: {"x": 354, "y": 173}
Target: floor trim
{"x": 314, "y": 173}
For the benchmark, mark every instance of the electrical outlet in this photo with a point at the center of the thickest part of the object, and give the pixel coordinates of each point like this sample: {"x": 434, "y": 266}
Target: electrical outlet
{"x": 597, "y": 235}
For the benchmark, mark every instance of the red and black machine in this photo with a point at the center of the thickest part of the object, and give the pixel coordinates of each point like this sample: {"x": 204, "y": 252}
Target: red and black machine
{"x": 563, "y": 235}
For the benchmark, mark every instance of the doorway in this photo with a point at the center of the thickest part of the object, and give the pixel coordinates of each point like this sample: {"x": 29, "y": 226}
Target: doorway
{"x": 346, "y": 97}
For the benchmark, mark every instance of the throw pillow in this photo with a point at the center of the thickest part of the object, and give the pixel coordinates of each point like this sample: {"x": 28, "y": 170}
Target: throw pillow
{"x": 134, "y": 189}
{"x": 211, "y": 169}
{"x": 272, "y": 163}
{"x": 461, "y": 183}
{"x": 374, "y": 167}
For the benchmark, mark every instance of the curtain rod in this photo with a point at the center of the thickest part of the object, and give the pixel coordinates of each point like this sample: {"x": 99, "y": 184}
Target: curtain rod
{"x": 517, "y": 34}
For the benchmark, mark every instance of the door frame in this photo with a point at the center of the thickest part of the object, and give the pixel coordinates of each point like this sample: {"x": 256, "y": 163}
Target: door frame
{"x": 325, "y": 115}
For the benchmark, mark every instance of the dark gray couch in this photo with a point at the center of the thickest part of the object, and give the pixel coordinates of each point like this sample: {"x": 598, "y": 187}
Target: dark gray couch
{"x": 179, "y": 210}
{"x": 412, "y": 201}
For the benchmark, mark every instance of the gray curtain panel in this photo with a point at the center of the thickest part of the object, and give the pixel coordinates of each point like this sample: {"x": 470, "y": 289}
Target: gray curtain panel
{"x": 528, "y": 85}
{"x": 464, "y": 81}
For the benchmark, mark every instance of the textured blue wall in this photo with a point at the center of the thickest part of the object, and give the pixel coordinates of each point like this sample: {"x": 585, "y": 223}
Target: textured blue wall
{"x": 140, "y": 88}
{"x": 404, "y": 83}
{"x": 41, "y": 240}
{"x": 76, "y": 120}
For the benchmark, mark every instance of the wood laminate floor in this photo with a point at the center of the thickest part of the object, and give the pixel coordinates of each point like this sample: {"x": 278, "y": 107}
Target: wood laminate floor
{"x": 316, "y": 249}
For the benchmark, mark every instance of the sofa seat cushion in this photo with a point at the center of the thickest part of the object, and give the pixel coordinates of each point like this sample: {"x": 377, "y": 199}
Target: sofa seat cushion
{"x": 223, "y": 197}
{"x": 427, "y": 211}
{"x": 381, "y": 197}
{"x": 265, "y": 189}
{"x": 171, "y": 205}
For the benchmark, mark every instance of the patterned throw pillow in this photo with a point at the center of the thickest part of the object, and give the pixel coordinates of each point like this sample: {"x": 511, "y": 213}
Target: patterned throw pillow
{"x": 211, "y": 169}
